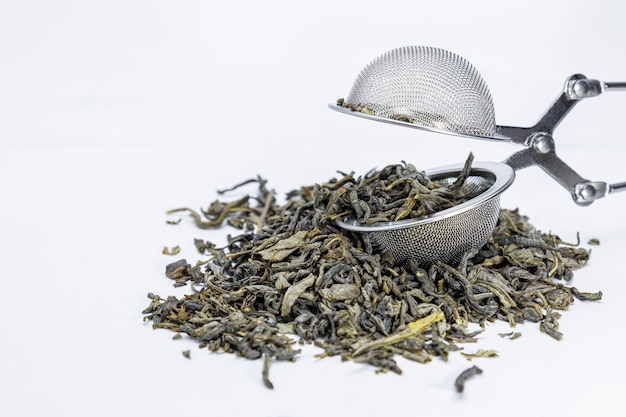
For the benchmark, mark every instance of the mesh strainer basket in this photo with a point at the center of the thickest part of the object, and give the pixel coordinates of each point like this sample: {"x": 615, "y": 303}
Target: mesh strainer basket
{"x": 424, "y": 87}
{"x": 447, "y": 234}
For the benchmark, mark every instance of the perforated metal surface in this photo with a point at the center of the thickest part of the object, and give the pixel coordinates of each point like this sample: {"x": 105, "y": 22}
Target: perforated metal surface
{"x": 445, "y": 240}
{"x": 428, "y": 87}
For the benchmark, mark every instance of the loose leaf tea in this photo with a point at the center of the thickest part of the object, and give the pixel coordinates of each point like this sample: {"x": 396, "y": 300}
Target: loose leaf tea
{"x": 173, "y": 251}
{"x": 511, "y": 335}
{"x": 292, "y": 274}
{"x": 267, "y": 361}
{"x": 459, "y": 383}
{"x": 481, "y": 353}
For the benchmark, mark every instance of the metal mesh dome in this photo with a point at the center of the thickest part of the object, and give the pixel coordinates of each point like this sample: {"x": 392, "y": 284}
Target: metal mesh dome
{"x": 427, "y": 87}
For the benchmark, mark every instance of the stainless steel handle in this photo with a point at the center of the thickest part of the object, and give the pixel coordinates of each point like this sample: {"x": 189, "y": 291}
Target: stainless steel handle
{"x": 616, "y": 85}
{"x": 578, "y": 87}
{"x": 540, "y": 146}
{"x": 541, "y": 153}
{"x": 620, "y": 186}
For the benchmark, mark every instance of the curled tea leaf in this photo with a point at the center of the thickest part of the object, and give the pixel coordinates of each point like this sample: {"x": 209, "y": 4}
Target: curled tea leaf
{"x": 459, "y": 383}
{"x": 267, "y": 362}
{"x": 586, "y": 296}
{"x": 293, "y": 292}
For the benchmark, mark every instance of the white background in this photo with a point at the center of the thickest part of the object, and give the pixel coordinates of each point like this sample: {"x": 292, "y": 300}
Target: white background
{"x": 112, "y": 112}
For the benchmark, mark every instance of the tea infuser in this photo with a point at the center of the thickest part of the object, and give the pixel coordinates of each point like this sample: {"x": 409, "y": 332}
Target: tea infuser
{"x": 436, "y": 90}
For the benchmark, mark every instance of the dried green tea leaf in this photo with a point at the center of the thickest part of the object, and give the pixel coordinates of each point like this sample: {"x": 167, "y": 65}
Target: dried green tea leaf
{"x": 284, "y": 247}
{"x": 511, "y": 335}
{"x": 267, "y": 362}
{"x": 216, "y": 213}
{"x": 340, "y": 292}
{"x": 480, "y": 353}
{"x": 550, "y": 325}
{"x": 586, "y": 296}
{"x": 293, "y": 292}
{"x": 459, "y": 383}
{"x": 174, "y": 251}
{"x": 178, "y": 269}
{"x": 465, "y": 172}
{"x": 203, "y": 246}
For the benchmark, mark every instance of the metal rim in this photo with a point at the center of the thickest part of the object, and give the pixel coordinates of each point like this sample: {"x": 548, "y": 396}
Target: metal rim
{"x": 502, "y": 174}
{"x": 496, "y": 137}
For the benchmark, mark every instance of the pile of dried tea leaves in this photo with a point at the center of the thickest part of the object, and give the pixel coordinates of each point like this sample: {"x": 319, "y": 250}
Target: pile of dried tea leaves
{"x": 293, "y": 275}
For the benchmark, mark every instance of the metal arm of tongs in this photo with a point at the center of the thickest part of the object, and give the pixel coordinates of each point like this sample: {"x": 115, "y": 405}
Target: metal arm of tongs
{"x": 540, "y": 146}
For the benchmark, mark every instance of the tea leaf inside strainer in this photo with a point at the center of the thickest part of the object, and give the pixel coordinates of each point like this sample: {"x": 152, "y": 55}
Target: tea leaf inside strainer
{"x": 448, "y": 234}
